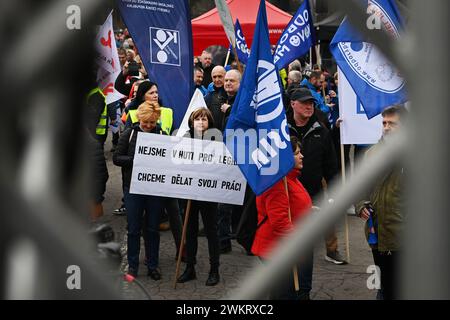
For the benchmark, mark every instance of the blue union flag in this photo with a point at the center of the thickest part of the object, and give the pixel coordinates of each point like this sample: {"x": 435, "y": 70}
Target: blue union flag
{"x": 256, "y": 133}
{"x": 162, "y": 32}
{"x": 375, "y": 80}
{"x": 297, "y": 38}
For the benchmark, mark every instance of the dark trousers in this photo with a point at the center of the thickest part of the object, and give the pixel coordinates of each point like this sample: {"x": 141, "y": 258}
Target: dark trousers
{"x": 285, "y": 290}
{"x": 387, "y": 262}
{"x": 115, "y": 138}
{"x": 225, "y": 214}
{"x": 208, "y": 211}
{"x": 136, "y": 206}
{"x": 173, "y": 211}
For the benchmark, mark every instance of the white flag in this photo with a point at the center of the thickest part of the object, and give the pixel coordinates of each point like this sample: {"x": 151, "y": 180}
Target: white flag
{"x": 108, "y": 61}
{"x": 355, "y": 127}
{"x": 105, "y": 81}
{"x": 105, "y": 45}
{"x": 197, "y": 102}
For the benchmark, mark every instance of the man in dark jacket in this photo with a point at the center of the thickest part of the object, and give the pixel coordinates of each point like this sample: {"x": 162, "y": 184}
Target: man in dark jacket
{"x": 216, "y": 98}
{"x": 319, "y": 156}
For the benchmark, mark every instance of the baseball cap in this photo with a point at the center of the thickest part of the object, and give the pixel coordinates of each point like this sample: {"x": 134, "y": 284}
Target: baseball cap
{"x": 302, "y": 95}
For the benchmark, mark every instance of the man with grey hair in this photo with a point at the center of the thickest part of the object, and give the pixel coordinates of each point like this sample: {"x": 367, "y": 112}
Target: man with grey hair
{"x": 218, "y": 96}
{"x": 232, "y": 83}
{"x": 295, "y": 65}
{"x": 294, "y": 78}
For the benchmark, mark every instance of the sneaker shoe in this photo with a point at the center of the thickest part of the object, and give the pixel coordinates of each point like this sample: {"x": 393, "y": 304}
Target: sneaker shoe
{"x": 351, "y": 211}
{"x": 132, "y": 272}
{"x": 335, "y": 257}
{"x": 120, "y": 211}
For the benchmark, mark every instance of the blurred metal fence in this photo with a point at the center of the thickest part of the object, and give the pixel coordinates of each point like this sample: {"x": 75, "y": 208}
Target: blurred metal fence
{"x": 43, "y": 178}
{"x": 422, "y": 149}
{"x": 43, "y": 173}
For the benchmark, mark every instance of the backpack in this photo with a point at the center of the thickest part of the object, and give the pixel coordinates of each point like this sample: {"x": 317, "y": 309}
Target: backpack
{"x": 248, "y": 223}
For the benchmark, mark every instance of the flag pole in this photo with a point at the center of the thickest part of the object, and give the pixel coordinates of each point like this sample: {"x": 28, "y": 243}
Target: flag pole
{"x": 347, "y": 243}
{"x": 310, "y": 57}
{"x": 183, "y": 237}
{"x": 294, "y": 269}
{"x": 237, "y": 60}
{"x": 228, "y": 56}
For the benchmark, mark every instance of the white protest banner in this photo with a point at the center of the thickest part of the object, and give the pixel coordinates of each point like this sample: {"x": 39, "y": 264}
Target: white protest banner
{"x": 186, "y": 168}
{"x": 355, "y": 127}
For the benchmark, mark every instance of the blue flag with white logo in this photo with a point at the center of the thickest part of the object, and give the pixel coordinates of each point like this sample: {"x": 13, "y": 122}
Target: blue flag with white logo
{"x": 162, "y": 33}
{"x": 297, "y": 37}
{"x": 375, "y": 80}
{"x": 241, "y": 46}
{"x": 256, "y": 133}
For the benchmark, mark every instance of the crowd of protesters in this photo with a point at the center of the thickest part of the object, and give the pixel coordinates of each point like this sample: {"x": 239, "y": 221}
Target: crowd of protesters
{"x": 311, "y": 103}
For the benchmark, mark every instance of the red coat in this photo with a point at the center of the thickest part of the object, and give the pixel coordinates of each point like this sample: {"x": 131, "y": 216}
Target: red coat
{"x": 274, "y": 204}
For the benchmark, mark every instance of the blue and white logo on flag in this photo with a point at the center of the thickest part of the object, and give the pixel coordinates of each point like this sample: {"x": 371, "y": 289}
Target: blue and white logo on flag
{"x": 165, "y": 46}
{"x": 296, "y": 39}
{"x": 162, "y": 32}
{"x": 256, "y": 133}
{"x": 376, "y": 81}
{"x": 241, "y": 45}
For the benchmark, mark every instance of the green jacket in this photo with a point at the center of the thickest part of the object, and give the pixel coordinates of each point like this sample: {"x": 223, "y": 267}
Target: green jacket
{"x": 388, "y": 203}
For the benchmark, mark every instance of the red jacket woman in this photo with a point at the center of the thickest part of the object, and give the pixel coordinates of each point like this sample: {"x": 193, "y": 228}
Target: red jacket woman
{"x": 274, "y": 204}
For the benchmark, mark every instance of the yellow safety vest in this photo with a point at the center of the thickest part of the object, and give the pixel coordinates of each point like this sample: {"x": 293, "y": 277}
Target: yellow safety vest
{"x": 102, "y": 124}
{"x": 165, "y": 121}
{"x": 283, "y": 77}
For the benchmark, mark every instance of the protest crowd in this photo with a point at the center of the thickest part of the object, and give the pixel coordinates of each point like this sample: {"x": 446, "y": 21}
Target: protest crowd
{"x": 309, "y": 96}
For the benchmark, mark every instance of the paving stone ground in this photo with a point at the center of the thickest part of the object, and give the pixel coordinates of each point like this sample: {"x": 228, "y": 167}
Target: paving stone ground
{"x": 330, "y": 282}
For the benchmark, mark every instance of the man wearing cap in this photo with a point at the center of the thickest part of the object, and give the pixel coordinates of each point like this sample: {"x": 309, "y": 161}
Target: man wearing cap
{"x": 319, "y": 155}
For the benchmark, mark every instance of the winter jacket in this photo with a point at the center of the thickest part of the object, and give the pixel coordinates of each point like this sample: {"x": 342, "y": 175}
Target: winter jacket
{"x": 124, "y": 154}
{"x": 274, "y": 203}
{"x": 226, "y": 115}
{"x": 99, "y": 170}
{"x": 319, "y": 156}
{"x": 388, "y": 204}
{"x": 214, "y": 101}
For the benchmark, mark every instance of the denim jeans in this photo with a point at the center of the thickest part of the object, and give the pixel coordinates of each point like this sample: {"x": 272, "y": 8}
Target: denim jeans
{"x": 136, "y": 205}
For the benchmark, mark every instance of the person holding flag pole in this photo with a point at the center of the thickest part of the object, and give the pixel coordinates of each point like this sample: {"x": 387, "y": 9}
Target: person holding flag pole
{"x": 257, "y": 136}
{"x": 201, "y": 125}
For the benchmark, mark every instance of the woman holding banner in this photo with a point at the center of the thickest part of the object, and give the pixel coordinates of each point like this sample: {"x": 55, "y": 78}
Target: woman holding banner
{"x": 199, "y": 122}
{"x": 136, "y": 204}
{"x": 279, "y": 208}
{"x": 148, "y": 92}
